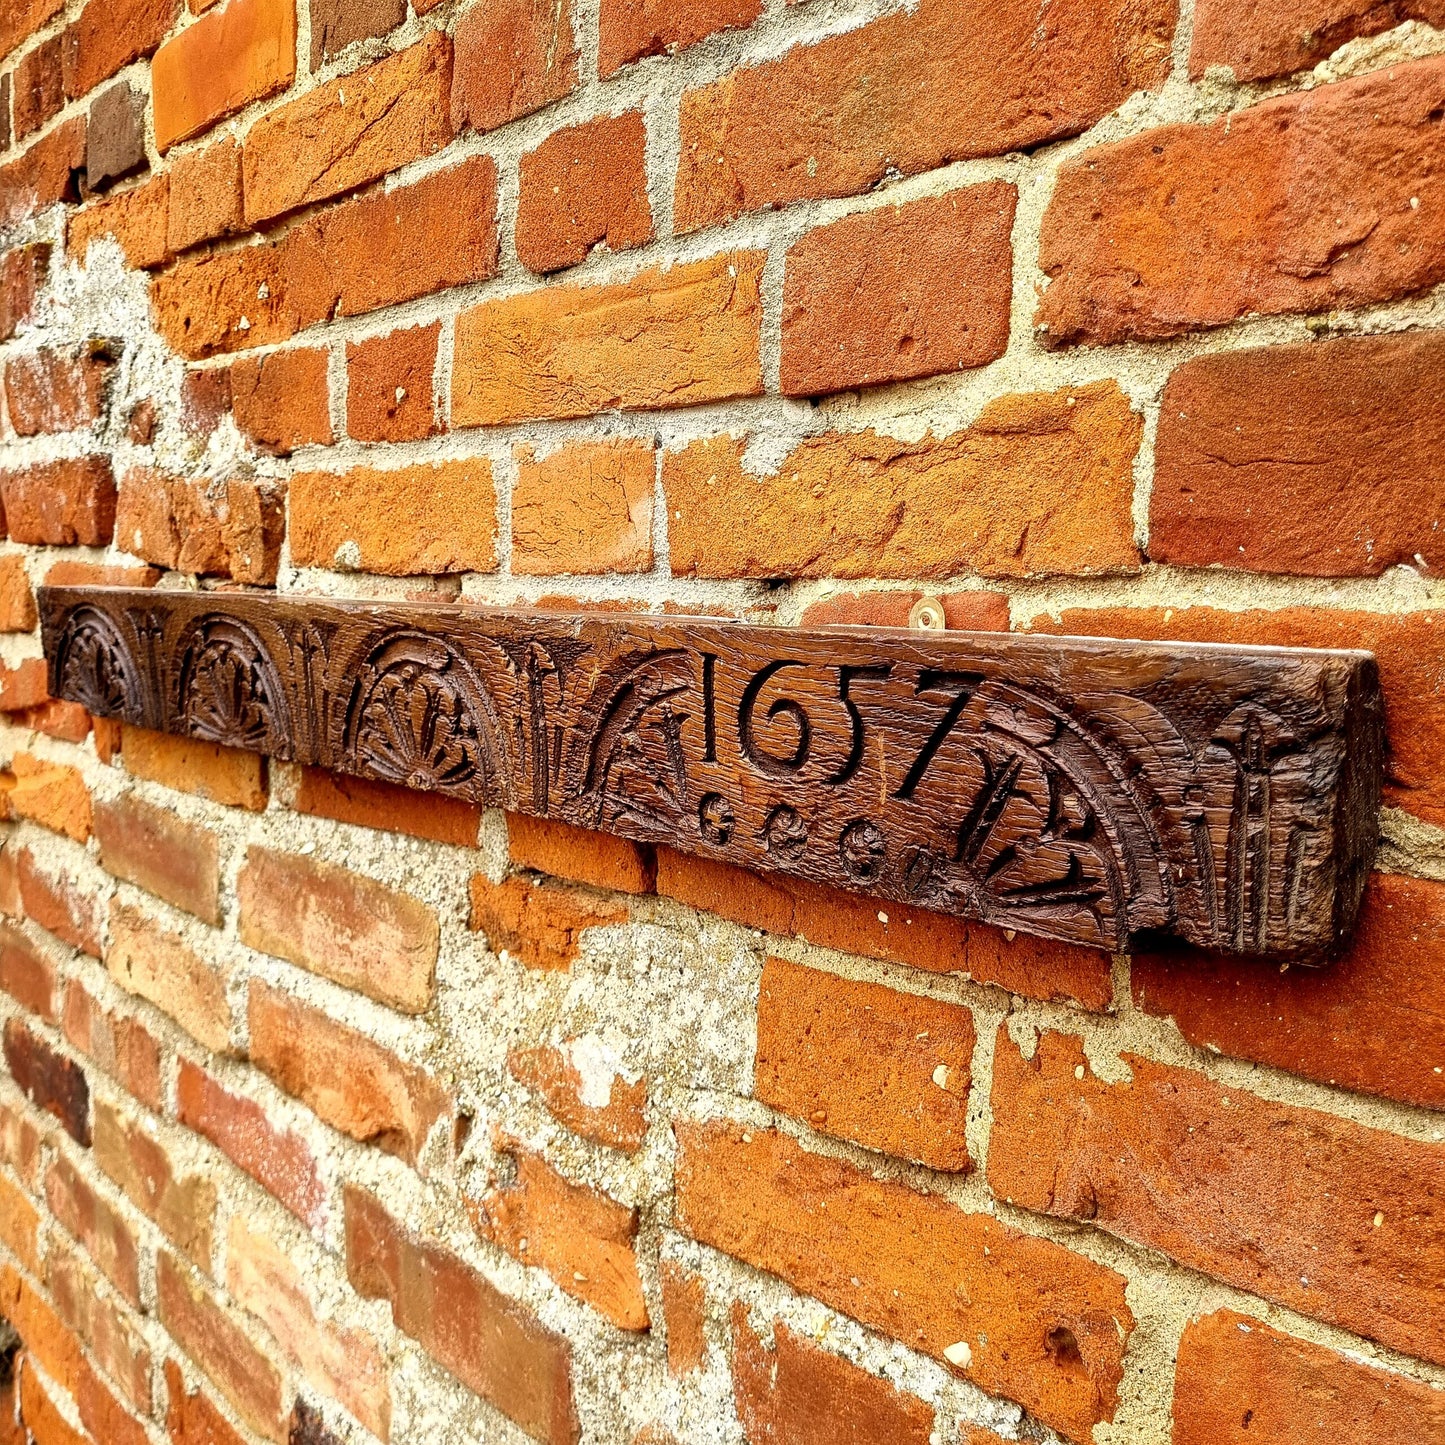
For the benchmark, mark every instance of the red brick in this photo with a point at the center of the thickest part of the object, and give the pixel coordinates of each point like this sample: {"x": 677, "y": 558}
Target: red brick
{"x": 24, "y": 18}
{"x": 581, "y": 855}
{"x": 349, "y": 259}
{"x": 110, "y": 1332}
{"x": 347, "y": 1079}
{"x": 901, "y": 292}
{"x": 431, "y": 518}
{"x": 243, "y": 52}
{"x": 61, "y": 503}
{"x": 49, "y": 391}
{"x": 977, "y": 611}
{"x": 19, "y": 1233}
{"x": 633, "y": 29}
{"x": 665, "y": 338}
{"x": 19, "y": 1144}
{"x": 17, "y": 600}
{"x": 684, "y": 1307}
{"x": 283, "y": 400}
{"x": 350, "y": 131}
{"x": 104, "y": 1417}
{"x": 107, "y": 1238}
{"x": 67, "y": 721}
{"x": 191, "y": 765}
{"x": 908, "y": 93}
{"x": 915, "y": 1267}
{"x": 1041, "y": 484}
{"x": 513, "y": 57}
{"x": 885, "y": 1069}
{"x": 49, "y": 1080}
{"x": 154, "y": 849}
{"x": 234, "y": 529}
{"x": 51, "y": 794}
{"x": 205, "y": 400}
{"x": 205, "y": 199}
{"x": 59, "y": 905}
{"x": 158, "y": 965}
{"x": 610, "y": 1111}
{"x": 1237, "y": 1381}
{"x": 68, "y": 573}
{"x": 582, "y": 187}
{"x": 277, "y": 1159}
{"x": 585, "y": 1240}
{"x": 494, "y": 1345}
{"x": 1278, "y": 1200}
{"x": 109, "y": 35}
{"x": 1410, "y": 649}
{"x": 122, "y": 1046}
{"x": 26, "y": 974}
{"x": 940, "y": 943}
{"x": 137, "y": 220}
{"x": 23, "y": 687}
{"x": 191, "y": 1419}
{"x": 22, "y": 274}
{"x": 541, "y": 922}
{"x": 1306, "y": 202}
{"x": 345, "y": 1364}
{"x": 390, "y": 390}
{"x": 335, "y": 24}
{"x": 1319, "y": 459}
{"x": 234, "y": 1365}
{"x": 39, "y": 88}
{"x": 585, "y": 509}
{"x": 182, "y": 1204}
{"x": 369, "y": 803}
{"x": 47, "y": 173}
{"x": 804, "y": 1395}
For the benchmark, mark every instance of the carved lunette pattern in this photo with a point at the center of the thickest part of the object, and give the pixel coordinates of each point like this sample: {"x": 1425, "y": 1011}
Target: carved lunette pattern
{"x": 1105, "y": 793}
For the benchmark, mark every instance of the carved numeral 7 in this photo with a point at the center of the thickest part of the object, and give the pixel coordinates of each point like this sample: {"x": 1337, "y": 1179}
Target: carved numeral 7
{"x": 928, "y": 679}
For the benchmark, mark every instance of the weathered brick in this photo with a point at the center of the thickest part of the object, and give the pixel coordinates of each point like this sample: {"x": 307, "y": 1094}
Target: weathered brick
{"x": 191, "y": 1419}
{"x": 335, "y": 24}
{"x": 1319, "y": 459}
{"x": 67, "y": 721}
{"x": 55, "y": 391}
{"x": 684, "y": 1308}
{"x": 915, "y": 1267}
{"x": 61, "y": 503}
{"x": 909, "y": 92}
{"x": 582, "y": 187}
{"x": 22, "y": 274}
{"x": 205, "y": 399}
{"x": 122, "y": 1046}
{"x": 633, "y": 29}
{"x": 49, "y": 1080}
{"x": 4, "y": 145}
{"x": 342, "y": 1363}
{"x": 38, "y": 92}
{"x": 1276, "y": 1199}
{"x": 1237, "y": 1381}
{"x": 308, "y": 1425}
{"x": 17, "y": 599}
{"x": 110, "y": 1332}
{"x": 137, "y": 220}
{"x": 103, "y": 1416}
{"x": 283, "y": 400}
{"x": 45, "y": 174}
{"x": 1042, "y": 483}
{"x": 806, "y": 1395}
{"x": 540, "y": 922}
{"x": 602, "y": 859}
{"x": 205, "y": 197}
{"x": 159, "y": 966}
{"x": 243, "y": 52}
{"x": 671, "y": 337}
{"x": 106, "y": 1237}
{"x": 901, "y": 292}
{"x": 237, "y": 1368}
{"x": 51, "y": 794}
{"x": 70, "y": 573}
{"x": 42, "y": 1418}
{"x": 115, "y": 143}
{"x": 585, "y": 1240}
{"x": 602, "y": 1104}
{"x": 26, "y": 973}
{"x": 940, "y": 943}
{"x": 431, "y": 518}
{"x": 154, "y": 849}
{"x": 492, "y": 1344}
{"x": 19, "y": 1233}
{"x": 513, "y": 57}
{"x": 350, "y": 131}
{"x": 41, "y": 1330}
{"x": 23, "y": 687}
{"x": 976, "y": 611}
{"x": 24, "y": 18}
{"x": 58, "y": 904}
{"x": 390, "y": 386}
{"x": 370, "y": 803}
{"x": 885, "y": 1069}
{"x": 342, "y": 925}
{"x": 348, "y": 1080}
{"x": 109, "y": 35}
{"x": 191, "y": 765}
{"x": 19, "y": 1144}
{"x": 1322, "y": 199}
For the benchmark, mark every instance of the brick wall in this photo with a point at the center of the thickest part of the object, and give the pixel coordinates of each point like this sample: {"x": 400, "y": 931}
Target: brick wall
{"x": 333, "y": 1113}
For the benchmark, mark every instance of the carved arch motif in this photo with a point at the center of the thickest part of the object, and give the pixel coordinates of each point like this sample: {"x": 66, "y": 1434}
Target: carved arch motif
{"x": 228, "y": 688}
{"x": 94, "y": 667}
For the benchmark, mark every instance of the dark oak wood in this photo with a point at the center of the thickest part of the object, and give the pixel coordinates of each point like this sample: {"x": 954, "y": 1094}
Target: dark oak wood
{"x": 1106, "y": 793}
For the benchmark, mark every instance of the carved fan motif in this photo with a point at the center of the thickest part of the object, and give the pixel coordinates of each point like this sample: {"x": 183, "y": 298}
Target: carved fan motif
{"x": 230, "y": 692}
{"x": 96, "y": 668}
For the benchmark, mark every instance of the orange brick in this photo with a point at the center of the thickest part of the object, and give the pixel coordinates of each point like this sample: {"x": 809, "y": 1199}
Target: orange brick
{"x": 26, "y": 973}
{"x": 51, "y": 794}
{"x": 67, "y": 573}
{"x": 61, "y": 503}
{"x": 942, "y": 83}
{"x": 243, "y": 52}
{"x": 978, "y": 611}
{"x": 513, "y": 57}
{"x": 59, "y": 905}
{"x": 109, "y": 35}
{"x": 684, "y": 1307}
{"x": 22, "y": 274}
{"x": 19, "y": 1144}
{"x": 632, "y": 29}
{"x": 431, "y": 518}
{"x": 668, "y": 338}
{"x": 17, "y": 600}
{"x": 41, "y": 1329}
{"x": 67, "y": 721}
{"x": 611, "y": 1112}
{"x": 580, "y": 854}
{"x": 120, "y": 1045}
{"x": 44, "y": 174}
{"x": 24, "y": 18}
{"x": 42, "y": 1417}
{"x": 1278, "y": 1200}
{"x": 154, "y": 849}
{"x": 1301, "y": 203}
{"x": 110, "y": 1332}
{"x": 55, "y": 391}
{"x": 104, "y": 1417}
{"x": 283, "y": 400}
{"x": 53, "y": 1083}
{"x": 540, "y": 922}
{"x": 1238, "y": 1380}
{"x": 205, "y": 196}
{"x": 915, "y": 1267}
{"x": 23, "y": 687}
{"x": 157, "y": 965}
{"x": 585, "y": 508}
{"x": 191, "y": 1419}
{"x": 350, "y": 131}
{"x": 349, "y": 1081}
{"x": 107, "y": 1238}
{"x": 373, "y": 804}
{"x": 583, "y": 187}
{"x": 19, "y": 1233}
{"x": 137, "y": 220}
{"x": 390, "y": 388}
{"x": 585, "y": 1240}
{"x": 344, "y": 926}
{"x": 224, "y": 775}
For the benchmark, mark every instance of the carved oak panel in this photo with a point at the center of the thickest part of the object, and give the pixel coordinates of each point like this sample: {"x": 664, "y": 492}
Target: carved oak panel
{"x": 1099, "y": 792}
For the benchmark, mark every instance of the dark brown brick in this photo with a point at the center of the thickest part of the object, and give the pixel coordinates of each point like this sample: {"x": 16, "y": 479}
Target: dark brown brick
{"x": 49, "y": 1080}
{"x": 335, "y": 24}
{"x": 114, "y": 136}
